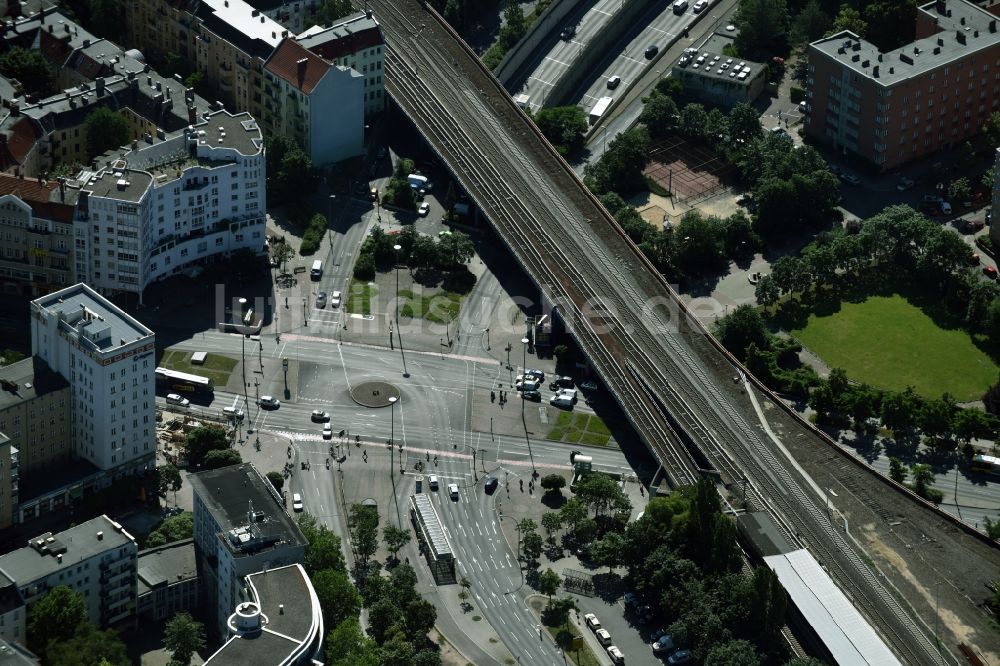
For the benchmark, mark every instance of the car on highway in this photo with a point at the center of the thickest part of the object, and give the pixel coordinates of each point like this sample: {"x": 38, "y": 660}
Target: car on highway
{"x": 592, "y": 622}
{"x": 664, "y": 643}
{"x": 680, "y": 6}
{"x": 335, "y": 299}
{"x": 491, "y": 484}
{"x": 269, "y": 402}
{"x": 297, "y": 502}
{"x": 233, "y": 413}
{"x": 904, "y": 184}
{"x": 527, "y": 383}
{"x": 613, "y": 81}
{"x": 680, "y": 657}
{"x": 321, "y": 299}
{"x": 699, "y": 6}
{"x": 327, "y": 431}
{"x": 319, "y": 416}
{"x": 537, "y": 374}
{"x": 567, "y": 32}
{"x": 652, "y": 50}
{"x": 180, "y": 401}
{"x": 424, "y": 209}
{"x": 532, "y": 394}
{"x": 616, "y": 655}
{"x": 433, "y": 482}
{"x": 603, "y": 637}
{"x": 453, "y": 491}
{"x": 730, "y": 27}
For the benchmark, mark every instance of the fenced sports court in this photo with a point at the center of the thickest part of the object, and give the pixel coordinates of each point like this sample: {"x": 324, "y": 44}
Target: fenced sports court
{"x": 687, "y": 170}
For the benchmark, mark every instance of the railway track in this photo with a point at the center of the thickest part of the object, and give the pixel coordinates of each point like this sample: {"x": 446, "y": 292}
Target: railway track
{"x": 609, "y": 301}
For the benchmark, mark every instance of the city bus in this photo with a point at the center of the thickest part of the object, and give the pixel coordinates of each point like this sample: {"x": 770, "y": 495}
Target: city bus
{"x": 183, "y": 382}
{"x": 984, "y": 463}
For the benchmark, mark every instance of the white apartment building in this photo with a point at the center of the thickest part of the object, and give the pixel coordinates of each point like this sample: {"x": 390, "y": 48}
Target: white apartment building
{"x": 108, "y": 358}
{"x": 96, "y": 558}
{"x": 355, "y": 42}
{"x": 169, "y": 205}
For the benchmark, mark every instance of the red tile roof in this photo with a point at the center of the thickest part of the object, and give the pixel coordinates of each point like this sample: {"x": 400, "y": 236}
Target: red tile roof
{"x": 22, "y": 138}
{"x": 340, "y": 45}
{"x": 38, "y": 196}
{"x": 54, "y": 46}
{"x": 284, "y": 63}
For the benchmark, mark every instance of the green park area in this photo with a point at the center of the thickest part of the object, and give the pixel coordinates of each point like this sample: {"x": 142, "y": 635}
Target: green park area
{"x": 888, "y": 342}
{"x": 441, "y": 307}
{"x": 216, "y": 367}
{"x": 359, "y": 297}
{"x": 580, "y": 429}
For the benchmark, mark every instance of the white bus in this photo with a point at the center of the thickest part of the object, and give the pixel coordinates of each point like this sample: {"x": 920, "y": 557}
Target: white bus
{"x": 183, "y": 382}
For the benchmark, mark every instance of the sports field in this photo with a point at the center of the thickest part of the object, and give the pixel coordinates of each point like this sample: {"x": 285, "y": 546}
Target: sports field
{"x": 889, "y": 343}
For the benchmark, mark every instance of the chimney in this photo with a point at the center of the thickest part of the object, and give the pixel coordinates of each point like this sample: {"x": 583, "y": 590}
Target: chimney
{"x": 940, "y": 6}
{"x": 100, "y": 536}
{"x": 875, "y": 72}
{"x": 99, "y": 85}
{"x": 62, "y": 197}
{"x": 86, "y": 43}
{"x": 960, "y": 36}
{"x": 993, "y": 25}
{"x": 15, "y": 109}
{"x": 59, "y": 557}
{"x": 300, "y": 66}
{"x": 262, "y": 19}
{"x": 192, "y": 115}
{"x": 255, "y": 13}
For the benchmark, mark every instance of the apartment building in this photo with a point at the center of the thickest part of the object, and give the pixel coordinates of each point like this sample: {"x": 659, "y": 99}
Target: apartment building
{"x": 35, "y": 416}
{"x": 356, "y": 42}
{"x": 36, "y": 235}
{"x": 892, "y": 107}
{"x": 13, "y": 615}
{"x": 300, "y": 89}
{"x": 280, "y": 622}
{"x": 168, "y": 206}
{"x": 296, "y": 15}
{"x": 240, "y": 528}
{"x": 168, "y": 581}
{"x": 108, "y": 358}
{"x": 96, "y": 558}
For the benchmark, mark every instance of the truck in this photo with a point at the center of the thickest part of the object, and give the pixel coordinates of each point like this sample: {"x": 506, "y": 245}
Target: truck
{"x": 522, "y": 101}
{"x": 600, "y": 108}
{"x": 418, "y": 182}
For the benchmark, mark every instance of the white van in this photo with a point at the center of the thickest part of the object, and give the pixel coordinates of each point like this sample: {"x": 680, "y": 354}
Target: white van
{"x": 317, "y": 270}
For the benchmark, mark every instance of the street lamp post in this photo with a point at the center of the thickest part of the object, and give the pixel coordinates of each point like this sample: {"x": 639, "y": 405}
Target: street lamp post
{"x": 524, "y": 422}
{"x": 392, "y": 436}
{"x": 243, "y": 356}
{"x": 399, "y": 335}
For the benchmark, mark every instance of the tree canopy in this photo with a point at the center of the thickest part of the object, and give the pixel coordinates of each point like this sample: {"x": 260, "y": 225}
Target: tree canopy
{"x": 105, "y": 130}
{"x": 31, "y": 69}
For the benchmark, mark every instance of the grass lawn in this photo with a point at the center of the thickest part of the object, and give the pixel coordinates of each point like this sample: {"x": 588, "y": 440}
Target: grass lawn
{"x": 582, "y": 657}
{"x": 887, "y": 342}
{"x": 359, "y": 297}
{"x": 216, "y": 367}
{"x": 579, "y": 428}
{"x": 439, "y": 308}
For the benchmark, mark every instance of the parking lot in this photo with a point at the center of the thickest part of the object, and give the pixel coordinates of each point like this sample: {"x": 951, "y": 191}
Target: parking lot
{"x": 630, "y": 638}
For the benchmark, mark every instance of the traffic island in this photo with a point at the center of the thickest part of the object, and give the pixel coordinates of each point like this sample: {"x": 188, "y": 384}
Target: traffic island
{"x": 374, "y": 394}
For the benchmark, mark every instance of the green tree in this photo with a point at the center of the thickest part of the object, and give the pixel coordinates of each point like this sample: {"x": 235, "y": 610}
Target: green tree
{"x": 553, "y": 483}
{"x": 960, "y": 189}
{"x": 573, "y": 513}
{"x": 338, "y": 598}
{"x": 87, "y": 647}
{"x": 329, "y": 12}
{"x": 991, "y": 399}
{"x": 362, "y": 522}
{"x": 744, "y": 124}
{"x": 897, "y": 470}
{"x": 762, "y": 29}
{"x": 599, "y": 492}
{"x": 620, "y": 168}
{"x": 531, "y": 546}
{"x": 563, "y": 126}
{"x": 169, "y": 478}
{"x": 811, "y": 23}
{"x": 281, "y": 253}
{"x": 670, "y": 86}
{"x": 174, "y": 528}
{"x": 557, "y": 613}
{"x": 182, "y": 637}
{"x": 105, "y": 130}
{"x": 741, "y": 328}
{"x": 608, "y": 550}
{"x": 548, "y": 583}
{"x": 466, "y": 585}
{"x": 991, "y": 128}
{"x": 108, "y": 17}
{"x": 221, "y": 458}
{"x": 201, "y": 440}
{"x": 383, "y": 616}
{"x": 277, "y": 480}
{"x": 691, "y": 122}
{"x": 637, "y": 228}
{"x": 455, "y": 249}
{"x": 420, "y": 618}
{"x": 31, "y": 70}
{"x": 849, "y": 18}
{"x": 395, "y": 538}
{"x": 899, "y": 409}
{"x": 923, "y": 479}
{"x": 551, "y": 522}
{"x": 935, "y": 417}
{"x": 698, "y": 247}
{"x": 347, "y": 645}
{"x": 515, "y": 25}
{"x": 323, "y": 549}
{"x": 734, "y": 653}
{"x": 767, "y": 292}
{"x": 970, "y": 423}
{"x": 55, "y": 618}
{"x": 659, "y": 114}
{"x": 992, "y": 528}
{"x": 891, "y": 23}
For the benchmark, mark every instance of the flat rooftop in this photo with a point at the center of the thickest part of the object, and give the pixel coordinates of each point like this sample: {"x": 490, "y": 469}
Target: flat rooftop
{"x": 12, "y": 654}
{"x": 294, "y": 620}
{"x": 172, "y": 563}
{"x": 239, "y": 132}
{"x": 125, "y": 184}
{"x": 228, "y": 493}
{"x": 77, "y": 544}
{"x": 85, "y": 312}
{"x": 964, "y": 29}
{"x": 26, "y": 380}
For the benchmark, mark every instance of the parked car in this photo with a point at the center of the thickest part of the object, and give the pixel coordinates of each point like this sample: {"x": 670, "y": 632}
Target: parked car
{"x": 850, "y": 178}
{"x": 680, "y": 657}
{"x": 652, "y": 50}
{"x": 664, "y": 643}
{"x": 297, "y": 502}
{"x": 589, "y": 385}
{"x": 561, "y": 382}
{"x": 335, "y": 299}
{"x": 592, "y": 622}
{"x": 433, "y": 481}
{"x": 491, "y": 484}
{"x": 990, "y": 272}
{"x": 176, "y": 399}
{"x": 613, "y": 82}
{"x": 453, "y": 491}
{"x": 269, "y": 402}
{"x": 532, "y": 394}
{"x": 327, "y": 431}
{"x": 321, "y": 299}
{"x": 932, "y": 198}
{"x": 561, "y": 401}
{"x": 569, "y": 393}
{"x": 424, "y": 209}
{"x": 946, "y": 208}
{"x": 319, "y": 416}
{"x": 603, "y": 637}
{"x": 904, "y": 184}
{"x": 537, "y": 374}
{"x": 616, "y": 655}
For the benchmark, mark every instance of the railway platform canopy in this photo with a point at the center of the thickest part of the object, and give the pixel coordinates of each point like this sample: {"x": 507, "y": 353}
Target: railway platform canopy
{"x": 434, "y": 542}
{"x": 832, "y": 625}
